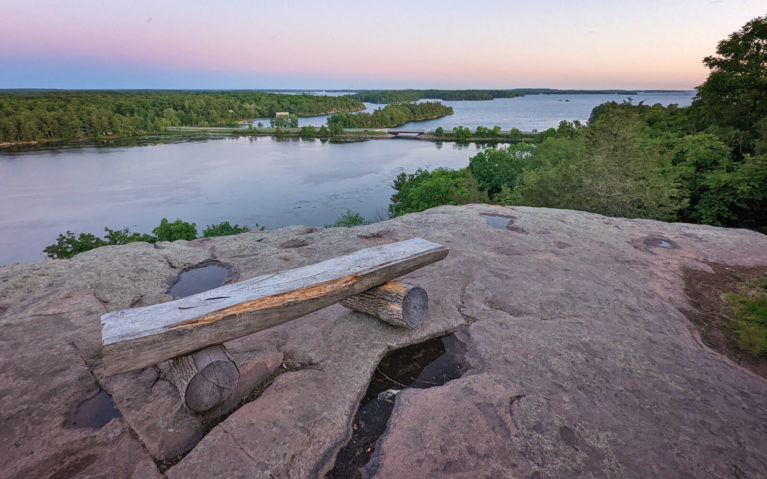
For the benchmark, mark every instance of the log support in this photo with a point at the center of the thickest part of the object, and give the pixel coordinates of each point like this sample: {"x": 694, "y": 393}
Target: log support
{"x": 204, "y": 378}
{"x": 399, "y": 304}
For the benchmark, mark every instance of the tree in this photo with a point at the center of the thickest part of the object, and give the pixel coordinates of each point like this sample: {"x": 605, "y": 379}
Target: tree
{"x": 224, "y": 229}
{"x": 424, "y": 189}
{"x": 177, "y": 230}
{"x": 69, "y": 245}
{"x": 496, "y": 168}
{"x": 734, "y": 97}
{"x": 603, "y": 170}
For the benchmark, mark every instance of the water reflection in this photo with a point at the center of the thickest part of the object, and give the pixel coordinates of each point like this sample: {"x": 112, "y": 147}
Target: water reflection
{"x": 249, "y": 180}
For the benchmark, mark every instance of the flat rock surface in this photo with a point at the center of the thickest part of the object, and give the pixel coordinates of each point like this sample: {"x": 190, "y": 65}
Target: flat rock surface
{"x": 580, "y": 360}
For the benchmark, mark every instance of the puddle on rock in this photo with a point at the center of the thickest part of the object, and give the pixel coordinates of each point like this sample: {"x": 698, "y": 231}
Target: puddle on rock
{"x": 199, "y": 279}
{"x": 659, "y": 242}
{"x": 423, "y": 365}
{"x": 497, "y": 222}
{"x": 96, "y": 411}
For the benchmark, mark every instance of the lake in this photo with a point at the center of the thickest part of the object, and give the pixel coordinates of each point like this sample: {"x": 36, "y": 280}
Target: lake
{"x": 247, "y": 181}
{"x": 538, "y": 112}
{"x": 527, "y": 113}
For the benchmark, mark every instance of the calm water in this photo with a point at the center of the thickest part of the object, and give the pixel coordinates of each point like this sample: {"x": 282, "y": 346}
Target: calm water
{"x": 527, "y": 113}
{"x": 537, "y": 112}
{"x": 245, "y": 181}
{"x": 262, "y": 181}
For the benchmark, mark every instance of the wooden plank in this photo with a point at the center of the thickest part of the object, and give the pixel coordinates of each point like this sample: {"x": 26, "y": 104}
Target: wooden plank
{"x": 136, "y": 338}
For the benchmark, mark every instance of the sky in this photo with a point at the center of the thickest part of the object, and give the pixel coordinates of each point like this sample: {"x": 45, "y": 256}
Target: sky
{"x": 335, "y": 44}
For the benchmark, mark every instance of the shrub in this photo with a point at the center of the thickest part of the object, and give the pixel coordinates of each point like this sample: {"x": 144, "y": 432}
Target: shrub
{"x": 178, "y": 230}
{"x": 67, "y": 245}
{"x": 123, "y": 236}
{"x": 307, "y": 132}
{"x": 750, "y": 315}
{"x": 426, "y": 189}
{"x": 224, "y": 229}
{"x": 350, "y": 218}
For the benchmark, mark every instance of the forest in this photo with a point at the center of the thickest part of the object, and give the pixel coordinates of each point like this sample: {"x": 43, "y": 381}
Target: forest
{"x": 706, "y": 163}
{"x": 395, "y": 114}
{"x": 399, "y": 96}
{"x": 52, "y": 115}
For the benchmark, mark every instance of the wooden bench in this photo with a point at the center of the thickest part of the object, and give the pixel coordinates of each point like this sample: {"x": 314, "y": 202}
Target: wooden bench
{"x": 191, "y": 331}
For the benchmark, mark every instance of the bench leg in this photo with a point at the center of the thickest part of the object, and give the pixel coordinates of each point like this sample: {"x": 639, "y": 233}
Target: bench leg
{"x": 204, "y": 378}
{"x": 397, "y": 303}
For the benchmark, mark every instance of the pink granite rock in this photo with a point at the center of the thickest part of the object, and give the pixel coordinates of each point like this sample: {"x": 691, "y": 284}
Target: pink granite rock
{"x": 580, "y": 362}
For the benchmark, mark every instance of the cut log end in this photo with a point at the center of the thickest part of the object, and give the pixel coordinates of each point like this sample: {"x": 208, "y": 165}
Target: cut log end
{"x": 399, "y": 304}
{"x": 204, "y": 378}
{"x": 415, "y": 307}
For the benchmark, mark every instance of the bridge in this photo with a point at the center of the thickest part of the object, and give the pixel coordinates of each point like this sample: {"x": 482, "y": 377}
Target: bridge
{"x": 406, "y": 132}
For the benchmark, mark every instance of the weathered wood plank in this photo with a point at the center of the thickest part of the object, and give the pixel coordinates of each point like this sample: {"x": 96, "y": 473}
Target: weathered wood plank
{"x": 397, "y": 303}
{"x": 136, "y": 338}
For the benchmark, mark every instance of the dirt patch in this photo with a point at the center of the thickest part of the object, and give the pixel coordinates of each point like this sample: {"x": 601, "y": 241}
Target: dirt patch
{"x": 294, "y": 243}
{"x": 380, "y": 237}
{"x": 712, "y": 314}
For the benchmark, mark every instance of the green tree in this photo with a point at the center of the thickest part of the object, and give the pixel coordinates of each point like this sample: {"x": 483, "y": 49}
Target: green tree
{"x": 178, "y": 230}
{"x": 223, "y": 229}
{"x": 734, "y": 97}
{"x": 124, "y": 236}
{"x": 67, "y": 245}
{"x": 424, "y": 189}
{"x": 603, "y": 170}
{"x": 495, "y": 168}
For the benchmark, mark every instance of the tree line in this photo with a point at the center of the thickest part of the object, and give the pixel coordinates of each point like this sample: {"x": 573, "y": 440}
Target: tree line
{"x": 399, "y": 96}
{"x": 706, "y": 163}
{"x": 392, "y": 115}
{"x": 47, "y": 115}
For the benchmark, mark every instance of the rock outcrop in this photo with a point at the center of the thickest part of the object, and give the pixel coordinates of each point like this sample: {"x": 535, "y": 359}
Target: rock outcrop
{"x": 580, "y": 362}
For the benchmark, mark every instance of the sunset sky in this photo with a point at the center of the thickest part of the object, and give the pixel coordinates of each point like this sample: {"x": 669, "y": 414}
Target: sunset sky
{"x": 356, "y": 44}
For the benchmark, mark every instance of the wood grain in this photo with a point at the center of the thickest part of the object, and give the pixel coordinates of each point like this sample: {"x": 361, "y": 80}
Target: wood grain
{"x": 204, "y": 378}
{"x": 399, "y": 304}
{"x": 136, "y": 338}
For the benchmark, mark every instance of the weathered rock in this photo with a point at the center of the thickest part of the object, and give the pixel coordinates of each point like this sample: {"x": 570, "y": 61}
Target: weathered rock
{"x": 581, "y": 363}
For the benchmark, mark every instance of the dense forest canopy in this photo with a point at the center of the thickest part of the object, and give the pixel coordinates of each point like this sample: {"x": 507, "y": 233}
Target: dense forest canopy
{"x": 398, "y": 96}
{"x": 706, "y": 163}
{"x": 32, "y": 115}
{"x": 392, "y": 115}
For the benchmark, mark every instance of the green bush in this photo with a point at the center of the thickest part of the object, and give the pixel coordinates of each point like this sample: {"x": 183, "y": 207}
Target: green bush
{"x": 178, "y": 230}
{"x": 224, "y": 229}
{"x": 67, "y": 245}
{"x": 350, "y": 218}
{"x": 461, "y": 134}
{"x": 307, "y": 132}
{"x": 123, "y": 236}
{"x": 426, "y": 189}
{"x": 750, "y": 315}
